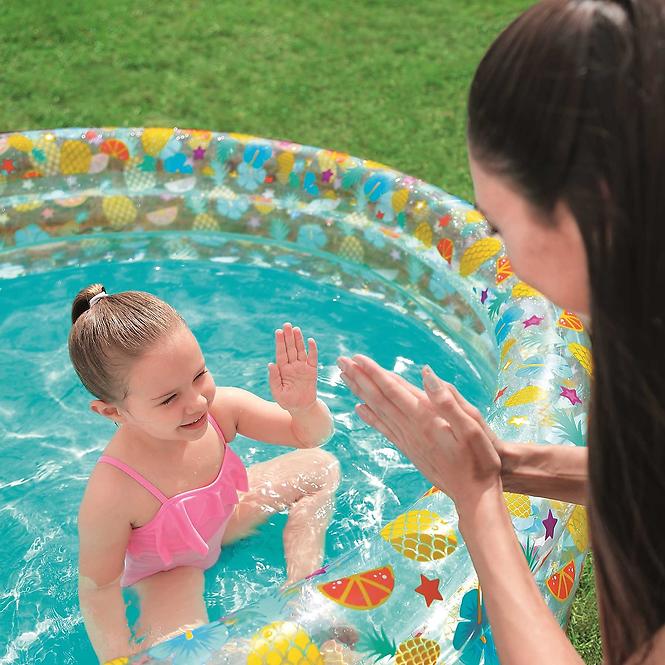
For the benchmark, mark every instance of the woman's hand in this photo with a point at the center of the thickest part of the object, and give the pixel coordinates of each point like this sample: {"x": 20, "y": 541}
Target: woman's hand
{"x": 293, "y": 378}
{"x": 443, "y": 435}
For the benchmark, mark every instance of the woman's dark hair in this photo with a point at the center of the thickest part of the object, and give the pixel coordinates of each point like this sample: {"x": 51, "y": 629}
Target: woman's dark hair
{"x": 568, "y": 105}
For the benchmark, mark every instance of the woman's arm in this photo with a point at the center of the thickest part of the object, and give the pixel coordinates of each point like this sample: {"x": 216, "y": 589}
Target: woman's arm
{"x": 452, "y": 446}
{"x": 551, "y": 471}
{"x": 523, "y": 628}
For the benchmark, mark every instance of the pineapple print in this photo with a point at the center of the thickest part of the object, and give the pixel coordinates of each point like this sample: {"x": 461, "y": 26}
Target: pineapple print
{"x": 414, "y": 651}
{"x": 482, "y": 250}
{"x": 583, "y": 355}
{"x": 526, "y": 396}
{"x": 519, "y": 505}
{"x": 20, "y": 143}
{"x": 352, "y": 249}
{"x": 424, "y": 233}
{"x": 48, "y": 161}
{"x": 205, "y": 222}
{"x": 523, "y": 290}
{"x": 285, "y": 162}
{"x": 154, "y": 139}
{"x": 283, "y": 643}
{"x": 138, "y": 180}
{"x": 578, "y": 528}
{"x": 119, "y": 210}
{"x": 399, "y": 200}
{"x": 75, "y": 157}
{"x": 420, "y": 535}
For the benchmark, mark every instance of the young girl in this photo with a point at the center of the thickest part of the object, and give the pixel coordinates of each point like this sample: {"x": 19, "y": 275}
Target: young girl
{"x": 168, "y": 492}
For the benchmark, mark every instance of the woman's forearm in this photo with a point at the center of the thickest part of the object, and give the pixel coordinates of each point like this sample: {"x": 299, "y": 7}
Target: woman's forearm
{"x": 523, "y": 628}
{"x": 551, "y": 471}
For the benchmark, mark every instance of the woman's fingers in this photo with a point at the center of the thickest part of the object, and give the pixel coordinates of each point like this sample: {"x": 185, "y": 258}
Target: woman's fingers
{"x": 374, "y": 421}
{"x": 366, "y": 390}
{"x": 300, "y": 344}
{"x": 446, "y": 406}
{"x": 467, "y": 407}
{"x": 290, "y": 343}
{"x": 392, "y": 390}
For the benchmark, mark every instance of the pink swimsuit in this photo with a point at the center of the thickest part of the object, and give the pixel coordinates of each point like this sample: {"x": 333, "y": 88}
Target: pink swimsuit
{"x": 187, "y": 529}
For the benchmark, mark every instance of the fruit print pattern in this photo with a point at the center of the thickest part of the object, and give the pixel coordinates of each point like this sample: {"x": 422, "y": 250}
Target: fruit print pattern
{"x": 433, "y": 245}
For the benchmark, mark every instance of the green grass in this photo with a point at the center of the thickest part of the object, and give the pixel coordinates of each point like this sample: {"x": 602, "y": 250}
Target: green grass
{"x": 385, "y": 80}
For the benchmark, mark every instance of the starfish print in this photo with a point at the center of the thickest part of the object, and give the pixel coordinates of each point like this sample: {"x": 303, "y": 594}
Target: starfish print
{"x": 429, "y": 589}
{"x": 518, "y": 421}
{"x": 8, "y": 166}
{"x": 549, "y": 525}
{"x": 327, "y": 175}
{"x": 501, "y": 393}
{"x": 570, "y": 394}
{"x": 533, "y": 321}
{"x": 444, "y": 221}
{"x": 199, "y": 153}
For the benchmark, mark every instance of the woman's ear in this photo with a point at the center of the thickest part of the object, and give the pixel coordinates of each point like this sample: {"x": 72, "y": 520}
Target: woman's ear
{"x": 106, "y": 410}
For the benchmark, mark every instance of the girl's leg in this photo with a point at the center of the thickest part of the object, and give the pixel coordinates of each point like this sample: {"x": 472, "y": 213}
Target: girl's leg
{"x": 302, "y": 481}
{"x": 169, "y": 603}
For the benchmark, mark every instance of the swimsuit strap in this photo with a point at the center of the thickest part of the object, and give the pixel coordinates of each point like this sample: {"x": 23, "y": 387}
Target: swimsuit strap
{"x": 213, "y": 422}
{"x": 135, "y": 475}
{"x": 139, "y": 478}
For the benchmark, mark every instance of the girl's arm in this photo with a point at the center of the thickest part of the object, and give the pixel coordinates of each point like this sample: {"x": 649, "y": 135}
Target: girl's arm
{"x": 103, "y": 536}
{"x": 266, "y": 421}
{"x": 297, "y": 417}
{"x": 554, "y": 472}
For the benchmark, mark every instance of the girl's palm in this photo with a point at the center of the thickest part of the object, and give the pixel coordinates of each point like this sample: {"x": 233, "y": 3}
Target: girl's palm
{"x": 293, "y": 377}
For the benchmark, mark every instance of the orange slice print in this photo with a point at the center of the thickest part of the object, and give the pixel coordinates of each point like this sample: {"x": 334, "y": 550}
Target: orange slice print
{"x": 363, "y": 591}
{"x": 561, "y": 583}
{"x": 445, "y": 247}
{"x": 115, "y": 148}
{"x": 570, "y": 321}
{"x": 503, "y": 269}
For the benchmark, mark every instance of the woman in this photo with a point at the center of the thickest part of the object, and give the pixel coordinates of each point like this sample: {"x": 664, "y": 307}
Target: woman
{"x": 566, "y": 137}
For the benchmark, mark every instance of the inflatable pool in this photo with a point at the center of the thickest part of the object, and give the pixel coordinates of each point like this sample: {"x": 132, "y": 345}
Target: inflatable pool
{"x": 408, "y": 589}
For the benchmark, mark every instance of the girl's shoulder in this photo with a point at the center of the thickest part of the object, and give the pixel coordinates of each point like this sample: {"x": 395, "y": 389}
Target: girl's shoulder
{"x": 225, "y": 409}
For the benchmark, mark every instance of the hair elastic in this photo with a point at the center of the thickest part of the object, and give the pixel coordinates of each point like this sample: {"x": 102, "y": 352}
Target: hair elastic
{"x": 99, "y": 296}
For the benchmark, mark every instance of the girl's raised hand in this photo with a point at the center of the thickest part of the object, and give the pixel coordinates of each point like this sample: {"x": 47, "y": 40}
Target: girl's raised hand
{"x": 293, "y": 376}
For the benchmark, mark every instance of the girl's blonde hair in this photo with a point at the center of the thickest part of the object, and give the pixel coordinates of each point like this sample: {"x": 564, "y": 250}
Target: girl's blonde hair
{"x": 108, "y": 337}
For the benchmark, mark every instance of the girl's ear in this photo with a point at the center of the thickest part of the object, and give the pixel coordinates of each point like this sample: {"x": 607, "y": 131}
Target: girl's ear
{"x": 106, "y": 410}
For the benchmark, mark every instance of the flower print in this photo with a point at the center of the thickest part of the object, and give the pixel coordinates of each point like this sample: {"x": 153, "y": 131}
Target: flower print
{"x": 31, "y": 235}
{"x": 192, "y": 645}
{"x": 473, "y": 636}
{"x": 249, "y": 177}
{"x": 376, "y": 186}
{"x": 312, "y": 236}
{"x": 233, "y": 206}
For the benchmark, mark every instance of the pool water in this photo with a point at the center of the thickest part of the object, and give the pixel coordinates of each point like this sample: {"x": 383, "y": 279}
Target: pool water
{"x": 50, "y": 440}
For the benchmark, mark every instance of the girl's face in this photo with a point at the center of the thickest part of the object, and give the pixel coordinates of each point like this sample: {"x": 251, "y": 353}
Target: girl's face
{"x": 169, "y": 387}
{"x": 549, "y": 257}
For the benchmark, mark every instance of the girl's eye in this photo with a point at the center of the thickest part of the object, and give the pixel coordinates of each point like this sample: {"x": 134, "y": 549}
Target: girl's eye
{"x": 205, "y": 371}
{"x": 170, "y": 399}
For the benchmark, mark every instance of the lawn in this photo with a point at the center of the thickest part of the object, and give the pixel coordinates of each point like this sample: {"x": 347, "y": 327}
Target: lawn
{"x": 378, "y": 79}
